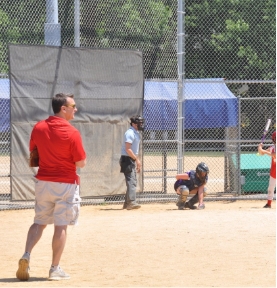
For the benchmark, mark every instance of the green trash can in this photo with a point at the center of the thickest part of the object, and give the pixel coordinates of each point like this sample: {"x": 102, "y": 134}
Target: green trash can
{"x": 255, "y": 172}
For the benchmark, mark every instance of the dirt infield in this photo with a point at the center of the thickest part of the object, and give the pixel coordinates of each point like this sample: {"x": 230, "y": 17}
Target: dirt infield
{"x": 229, "y": 244}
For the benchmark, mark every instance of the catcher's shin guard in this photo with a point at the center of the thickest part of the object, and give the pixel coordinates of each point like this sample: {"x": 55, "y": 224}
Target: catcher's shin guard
{"x": 179, "y": 203}
{"x": 183, "y": 192}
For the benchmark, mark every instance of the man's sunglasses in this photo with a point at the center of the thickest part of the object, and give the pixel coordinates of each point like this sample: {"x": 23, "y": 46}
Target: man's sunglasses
{"x": 71, "y": 105}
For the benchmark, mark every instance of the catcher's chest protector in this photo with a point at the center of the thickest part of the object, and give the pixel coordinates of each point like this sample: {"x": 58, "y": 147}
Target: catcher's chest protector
{"x": 196, "y": 181}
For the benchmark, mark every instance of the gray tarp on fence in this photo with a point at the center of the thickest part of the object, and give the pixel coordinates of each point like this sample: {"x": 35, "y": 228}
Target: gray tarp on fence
{"x": 108, "y": 87}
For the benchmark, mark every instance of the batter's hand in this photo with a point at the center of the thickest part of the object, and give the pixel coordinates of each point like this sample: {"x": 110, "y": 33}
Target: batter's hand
{"x": 260, "y": 149}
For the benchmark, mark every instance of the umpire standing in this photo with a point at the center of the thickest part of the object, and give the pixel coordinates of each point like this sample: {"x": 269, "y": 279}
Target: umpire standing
{"x": 130, "y": 162}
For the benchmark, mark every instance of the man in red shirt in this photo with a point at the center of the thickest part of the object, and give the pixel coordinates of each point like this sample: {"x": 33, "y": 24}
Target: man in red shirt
{"x": 271, "y": 151}
{"x": 57, "y": 199}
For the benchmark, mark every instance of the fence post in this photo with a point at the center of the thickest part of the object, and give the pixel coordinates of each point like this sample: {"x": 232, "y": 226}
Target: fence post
{"x": 238, "y": 145}
{"x": 180, "y": 55}
{"x": 77, "y": 23}
{"x": 52, "y": 29}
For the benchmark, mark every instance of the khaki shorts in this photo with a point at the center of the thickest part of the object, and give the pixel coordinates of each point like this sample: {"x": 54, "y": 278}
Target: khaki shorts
{"x": 57, "y": 203}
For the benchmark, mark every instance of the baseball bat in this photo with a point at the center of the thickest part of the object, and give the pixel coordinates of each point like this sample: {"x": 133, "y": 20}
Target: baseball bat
{"x": 268, "y": 122}
{"x": 266, "y": 129}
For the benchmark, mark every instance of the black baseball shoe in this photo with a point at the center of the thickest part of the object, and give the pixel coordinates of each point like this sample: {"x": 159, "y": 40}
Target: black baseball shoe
{"x": 180, "y": 205}
{"x": 188, "y": 205}
{"x": 133, "y": 206}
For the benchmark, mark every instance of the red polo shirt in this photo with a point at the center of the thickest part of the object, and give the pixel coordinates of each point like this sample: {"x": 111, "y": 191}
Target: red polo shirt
{"x": 59, "y": 146}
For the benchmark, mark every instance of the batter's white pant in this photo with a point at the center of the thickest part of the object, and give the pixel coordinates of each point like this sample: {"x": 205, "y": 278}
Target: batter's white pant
{"x": 271, "y": 188}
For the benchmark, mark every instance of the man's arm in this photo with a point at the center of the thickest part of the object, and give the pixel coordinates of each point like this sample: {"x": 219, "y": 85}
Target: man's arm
{"x": 77, "y": 150}
{"x": 129, "y": 151}
{"x": 132, "y": 155}
{"x": 81, "y": 164}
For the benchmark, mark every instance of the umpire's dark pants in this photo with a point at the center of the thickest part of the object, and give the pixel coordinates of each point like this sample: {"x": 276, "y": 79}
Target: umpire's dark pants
{"x": 131, "y": 183}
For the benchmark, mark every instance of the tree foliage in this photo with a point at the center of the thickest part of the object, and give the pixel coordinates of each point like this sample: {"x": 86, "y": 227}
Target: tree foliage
{"x": 234, "y": 39}
{"x": 231, "y": 38}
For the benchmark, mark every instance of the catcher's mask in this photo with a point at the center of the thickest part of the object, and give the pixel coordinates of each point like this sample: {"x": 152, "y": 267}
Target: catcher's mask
{"x": 139, "y": 121}
{"x": 202, "y": 170}
{"x": 273, "y": 137}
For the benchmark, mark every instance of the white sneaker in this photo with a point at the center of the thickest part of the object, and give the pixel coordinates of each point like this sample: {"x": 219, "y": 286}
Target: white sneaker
{"x": 22, "y": 272}
{"x": 58, "y": 274}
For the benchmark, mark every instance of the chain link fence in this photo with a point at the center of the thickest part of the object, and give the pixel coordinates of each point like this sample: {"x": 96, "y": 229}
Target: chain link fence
{"x": 223, "y": 39}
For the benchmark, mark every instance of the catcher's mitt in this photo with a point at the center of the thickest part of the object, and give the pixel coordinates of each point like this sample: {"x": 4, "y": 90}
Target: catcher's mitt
{"x": 34, "y": 158}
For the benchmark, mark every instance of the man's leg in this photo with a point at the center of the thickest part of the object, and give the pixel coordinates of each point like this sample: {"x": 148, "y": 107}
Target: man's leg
{"x": 131, "y": 183}
{"x": 66, "y": 213}
{"x": 122, "y": 171}
{"x": 58, "y": 244}
{"x": 125, "y": 202}
{"x": 34, "y": 234}
{"x": 127, "y": 199}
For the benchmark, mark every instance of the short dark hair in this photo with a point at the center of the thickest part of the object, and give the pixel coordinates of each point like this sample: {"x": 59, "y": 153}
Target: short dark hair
{"x": 60, "y": 100}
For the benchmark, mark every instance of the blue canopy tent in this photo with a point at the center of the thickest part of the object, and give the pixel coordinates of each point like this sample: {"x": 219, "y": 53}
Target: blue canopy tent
{"x": 4, "y": 105}
{"x": 207, "y": 103}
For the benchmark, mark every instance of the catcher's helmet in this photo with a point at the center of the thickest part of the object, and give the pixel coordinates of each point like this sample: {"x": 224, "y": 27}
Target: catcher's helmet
{"x": 139, "y": 121}
{"x": 202, "y": 170}
{"x": 273, "y": 137}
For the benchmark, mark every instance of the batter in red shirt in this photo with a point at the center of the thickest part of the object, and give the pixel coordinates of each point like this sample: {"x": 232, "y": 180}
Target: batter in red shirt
{"x": 271, "y": 151}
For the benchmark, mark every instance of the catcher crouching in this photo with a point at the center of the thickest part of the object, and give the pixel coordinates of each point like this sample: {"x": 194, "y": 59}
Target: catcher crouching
{"x": 192, "y": 182}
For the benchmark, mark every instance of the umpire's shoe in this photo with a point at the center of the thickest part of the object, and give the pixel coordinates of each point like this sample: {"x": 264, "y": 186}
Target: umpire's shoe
{"x": 133, "y": 206}
{"x": 23, "y": 268}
